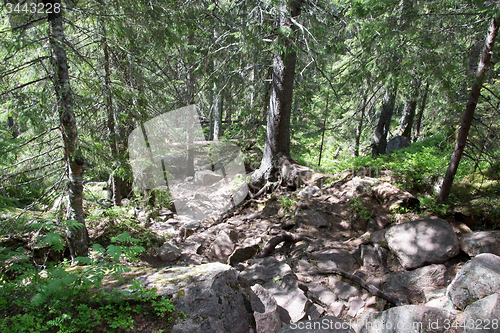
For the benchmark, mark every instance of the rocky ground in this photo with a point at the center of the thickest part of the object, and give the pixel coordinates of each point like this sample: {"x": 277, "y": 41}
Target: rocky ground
{"x": 350, "y": 256}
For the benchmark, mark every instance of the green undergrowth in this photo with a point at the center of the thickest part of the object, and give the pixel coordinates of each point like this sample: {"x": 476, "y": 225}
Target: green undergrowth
{"x": 58, "y": 297}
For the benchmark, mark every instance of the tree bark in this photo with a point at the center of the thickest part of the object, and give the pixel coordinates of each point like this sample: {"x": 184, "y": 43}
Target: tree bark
{"x": 409, "y": 109}
{"x": 217, "y": 114}
{"x": 277, "y": 145}
{"x": 78, "y": 239}
{"x": 463, "y": 132}
{"x": 323, "y": 132}
{"x": 115, "y": 180}
{"x": 359, "y": 129}
{"x": 380, "y": 139}
{"x": 190, "y": 100}
{"x": 421, "y": 113}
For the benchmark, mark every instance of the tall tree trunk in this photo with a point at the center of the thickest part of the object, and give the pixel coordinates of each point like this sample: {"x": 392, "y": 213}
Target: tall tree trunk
{"x": 78, "y": 239}
{"x": 421, "y": 112}
{"x": 359, "y": 129}
{"x": 463, "y": 132}
{"x": 277, "y": 145}
{"x": 409, "y": 109}
{"x": 380, "y": 139}
{"x": 115, "y": 180}
{"x": 323, "y": 129}
{"x": 217, "y": 114}
{"x": 190, "y": 100}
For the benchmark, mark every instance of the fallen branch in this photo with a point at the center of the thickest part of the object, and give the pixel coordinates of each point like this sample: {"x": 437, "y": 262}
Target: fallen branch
{"x": 359, "y": 281}
{"x": 283, "y": 237}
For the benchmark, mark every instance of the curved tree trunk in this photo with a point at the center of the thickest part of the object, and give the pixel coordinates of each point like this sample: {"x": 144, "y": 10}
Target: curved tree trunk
{"x": 463, "y": 132}
{"x": 277, "y": 146}
{"x": 409, "y": 109}
{"x": 421, "y": 113}
{"x": 78, "y": 239}
{"x": 380, "y": 139}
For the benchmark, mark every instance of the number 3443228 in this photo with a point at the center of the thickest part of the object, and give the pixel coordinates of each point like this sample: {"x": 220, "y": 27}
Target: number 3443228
{"x": 34, "y": 8}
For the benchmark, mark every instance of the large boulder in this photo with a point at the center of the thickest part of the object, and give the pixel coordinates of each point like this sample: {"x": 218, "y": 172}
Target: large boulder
{"x": 404, "y": 319}
{"x": 334, "y": 258}
{"x": 397, "y": 143}
{"x": 475, "y": 243}
{"x": 413, "y": 284}
{"x": 421, "y": 242}
{"x": 290, "y": 298}
{"x": 266, "y": 313}
{"x": 209, "y": 295}
{"x": 478, "y": 278}
{"x": 482, "y": 315}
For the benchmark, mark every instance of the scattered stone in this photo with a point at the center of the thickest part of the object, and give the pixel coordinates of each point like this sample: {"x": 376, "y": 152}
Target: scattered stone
{"x": 316, "y": 219}
{"x": 336, "y": 308}
{"x": 267, "y": 269}
{"x": 169, "y": 252}
{"x": 478, "y": 278}
{"x": 357, "y": 186}
{"x": 315, "y": 311}
{"x": 475, "y": 243}
{"x": 290, "y": 298}
{"x": 483, "y": 315}
{"x": 425, "y": 241}
{"x": 404, "y": 319}
{"x": 265, "y": 310}
{"x": 341, "y": 258}
{"x": 309, "y": 192}
{"x": 342, "y": 289}
{"x": 413, "y": 284}
{"x": 321, "y": 294}
{"x": 221, "y": 248}
{"x": 245, "y": 251}
{"x": 355, "y": 304}
{"x": 370, "y": 258}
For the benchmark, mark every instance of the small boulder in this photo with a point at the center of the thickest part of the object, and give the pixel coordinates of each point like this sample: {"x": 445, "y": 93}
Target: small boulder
{"x": 397, "y": 143}
{"x": 404, "y": 319}
{"x": 309, "y": 192}
{"x": 483, "y": 315}
{"x": 425, "y": 241}
{"x": 475, "y": 243}
{"x": 206, "y": 177}
{"x": 267, "y": 269}
{"x": 245, "y": 251}
{"x": 478, "y": 278}
{"x": 265, "y": 310}
{"x": 290, "y": 298}
{"x": 335, "y": 257}
{"x": 316, "y": 219}
{"x": 221, "y": 248}
{"x": 169, "y": 252}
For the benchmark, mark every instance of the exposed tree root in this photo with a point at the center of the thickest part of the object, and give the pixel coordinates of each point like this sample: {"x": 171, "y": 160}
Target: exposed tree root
{"x": 283, "y": 237}
{"x": 359, "y": 281}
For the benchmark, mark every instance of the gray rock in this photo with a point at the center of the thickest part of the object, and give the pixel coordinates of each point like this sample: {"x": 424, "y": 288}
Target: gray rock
{"x": 245, "y": 251}
{"x": 342, "y": 289}
{"x": 341, "y": 258}
{"x": 316, "y": 219}
{"x": 370, "y": 258}
{"x": 478, "y": 278}
{"x": 336, "y": 308}
{"x": 413, "y": 284}
{"x": 290, "y": 298}
{"x": 206, "y": 177}
{"x": 483, "y": 315}
{"x": 404, "y": 319}
{"x": 355, "y": 304}
{"x": 320, "y": 293}
{"x": 475, "y": 243}
{"x": 323, "y": 325}
{"x": 264, "y": 270}
{"x": 265, "y": 310}
{"x": 169, "y": 252}
{"x": 209, "y": 294}
{"x": 397, "y": 143}
{"x": 420, "y": 242}
{"x": 309, "y": 192}
{"x": 315, "y": 311}
{"x": 221, "y": 248}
